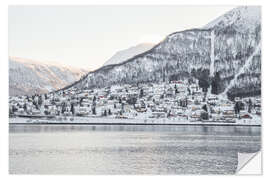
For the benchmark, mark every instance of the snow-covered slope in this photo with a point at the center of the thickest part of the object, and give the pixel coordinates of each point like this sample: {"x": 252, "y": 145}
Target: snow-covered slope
{"x": 125, "y": 54}
{"x": 243, "y": 18}
{"x": 27, "y": 77}
{"x": 238, "y": 50}
{"x": 222, "y": 47}
{"x": 174, "y": 57}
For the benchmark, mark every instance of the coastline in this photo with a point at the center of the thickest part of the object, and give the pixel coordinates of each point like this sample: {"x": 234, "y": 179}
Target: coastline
{"x": 113, "y": 121}
{"x": 128, "y": 124}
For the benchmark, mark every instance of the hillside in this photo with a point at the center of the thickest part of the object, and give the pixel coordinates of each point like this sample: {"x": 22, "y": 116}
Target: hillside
{"x": 228, "y": 47}
{"x": 27, "y": 77}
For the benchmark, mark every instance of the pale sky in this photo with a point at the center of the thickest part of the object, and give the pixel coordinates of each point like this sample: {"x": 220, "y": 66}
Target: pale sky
{"x": 87, "y": 36}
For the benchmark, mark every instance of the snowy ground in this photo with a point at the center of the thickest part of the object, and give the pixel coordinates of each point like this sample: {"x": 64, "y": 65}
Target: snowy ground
{"x": 108, "y": 120}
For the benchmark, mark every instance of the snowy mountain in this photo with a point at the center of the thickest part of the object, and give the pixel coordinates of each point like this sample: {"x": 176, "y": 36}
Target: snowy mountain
{"x": 238, "y": 50}
{"x": 225, "y": 53}
{"x": 27, "y": 77}
{"x": 123, "y": 55}
{"x": 243, "y": 18}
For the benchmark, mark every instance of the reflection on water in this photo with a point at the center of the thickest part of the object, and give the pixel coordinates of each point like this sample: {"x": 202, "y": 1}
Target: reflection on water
{"x": 129, "y": 149}
{"x": 236, "y": 130}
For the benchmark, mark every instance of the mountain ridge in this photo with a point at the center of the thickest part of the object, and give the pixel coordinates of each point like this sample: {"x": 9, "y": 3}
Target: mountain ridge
{"x": 28, "y": 77}
{"x": 128, "y": 53}
{"x": 185, "y": 54}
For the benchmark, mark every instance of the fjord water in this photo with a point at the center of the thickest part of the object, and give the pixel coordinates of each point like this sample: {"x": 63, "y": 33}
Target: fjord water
{"x": 129, "y": 149}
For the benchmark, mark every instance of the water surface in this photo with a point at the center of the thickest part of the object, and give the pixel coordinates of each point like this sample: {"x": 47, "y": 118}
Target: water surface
{"x": 129, "y": 149}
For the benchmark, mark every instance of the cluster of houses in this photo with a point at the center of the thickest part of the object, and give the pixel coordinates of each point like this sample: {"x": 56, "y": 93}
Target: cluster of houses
{"x": 176, "y": 99}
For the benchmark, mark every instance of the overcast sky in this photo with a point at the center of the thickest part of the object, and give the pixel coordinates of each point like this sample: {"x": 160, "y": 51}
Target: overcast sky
{"x": 87, "y": 36}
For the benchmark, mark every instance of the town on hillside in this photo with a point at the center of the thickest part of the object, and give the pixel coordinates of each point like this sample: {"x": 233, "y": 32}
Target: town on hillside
{"x": 168, "y": 102}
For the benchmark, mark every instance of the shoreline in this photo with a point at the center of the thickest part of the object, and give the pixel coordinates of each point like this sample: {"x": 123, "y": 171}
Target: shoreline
{"x": 130, "y": 124}
{"x": 142, "y": 124}
{"x": 137, "y": 121}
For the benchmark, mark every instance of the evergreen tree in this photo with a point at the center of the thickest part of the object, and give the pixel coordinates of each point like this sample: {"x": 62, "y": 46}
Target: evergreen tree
{"x": 111, "y": 98}
{"x": 72, "y": 109}
{"x": 132, "y": 100}
{"x": 237, "y": 108}
{"x": 53, "y": 101}
{"x": 189, "y": 92}
{"x": 175, "y": 88}
{"x": 169, "y": 114}
{"x": 205, "y": 108}
{"x": 35, "y": 104}
{"x": 122, "y": 106}
{"x": 81, "y": 100}
{"x": 204, "y": 116}
{"x": 63, "y": 108}
{"x": 141, "y": 93}
{"x": 13, "y": 109}
{"x": 24, "y": 107}
{"x": 203, "y": 84}
{"x": 46, "y": 112}
{"x": 94, "y": 110}
{"x": 109, "y": 112}
{"x": 162, "y": 96}
{"x": 39, "y": 100}
{"x": 215, "y": 83}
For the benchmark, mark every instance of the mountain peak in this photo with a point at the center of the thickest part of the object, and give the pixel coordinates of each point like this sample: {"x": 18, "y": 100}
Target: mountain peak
{"x": 243, "y": 18}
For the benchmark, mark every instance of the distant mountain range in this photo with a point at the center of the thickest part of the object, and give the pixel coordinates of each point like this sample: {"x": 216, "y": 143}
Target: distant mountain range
{"x": 123, "y": 55}
{"x": 27, "y": 77}
{"x": 228, "y": 47}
